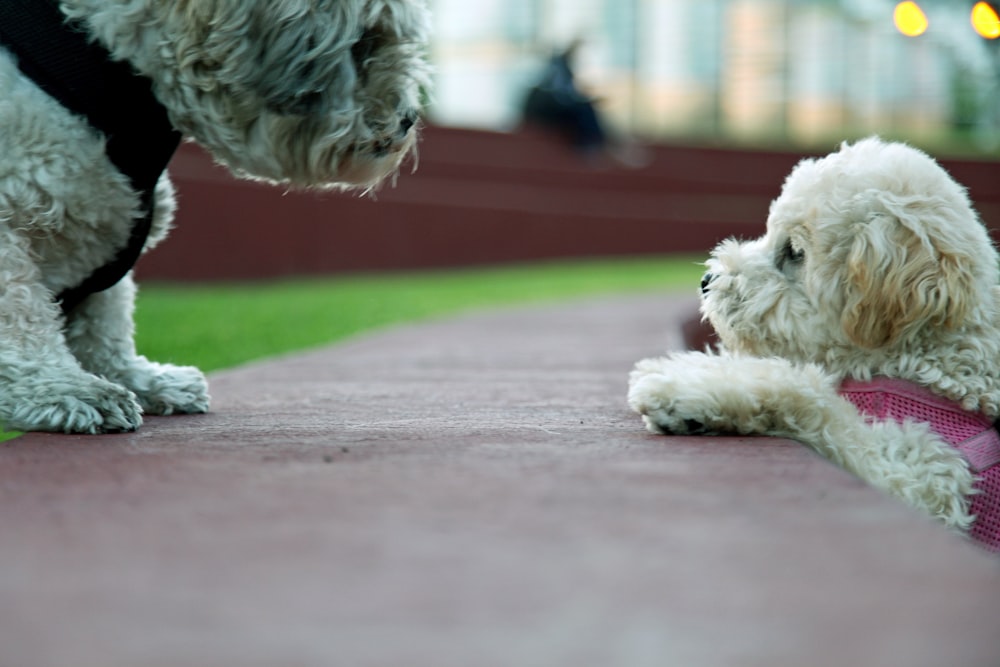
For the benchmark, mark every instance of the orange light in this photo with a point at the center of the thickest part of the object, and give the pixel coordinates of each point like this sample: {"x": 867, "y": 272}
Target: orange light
{"x": 910, "y": 19}
{"x": 985, "y": 20}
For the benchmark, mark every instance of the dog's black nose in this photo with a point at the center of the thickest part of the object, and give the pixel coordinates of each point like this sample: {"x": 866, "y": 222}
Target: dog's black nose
{"x": 406, "y": 123}
{"x": 706, "y": 280}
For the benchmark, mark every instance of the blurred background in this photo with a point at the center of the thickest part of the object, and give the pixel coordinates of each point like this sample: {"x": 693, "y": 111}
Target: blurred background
{"x": 792, "y": 72}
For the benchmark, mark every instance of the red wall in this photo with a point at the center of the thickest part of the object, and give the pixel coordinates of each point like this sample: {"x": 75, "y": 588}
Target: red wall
{"x": 482, "y": 198}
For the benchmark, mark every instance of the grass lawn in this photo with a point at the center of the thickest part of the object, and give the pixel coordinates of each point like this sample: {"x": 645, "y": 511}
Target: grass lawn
{"x": 222, "y": 325}
{"x": 216, "y": 326}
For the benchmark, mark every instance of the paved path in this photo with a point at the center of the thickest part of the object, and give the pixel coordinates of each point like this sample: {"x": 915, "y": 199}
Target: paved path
{"x": 468, "y": 493}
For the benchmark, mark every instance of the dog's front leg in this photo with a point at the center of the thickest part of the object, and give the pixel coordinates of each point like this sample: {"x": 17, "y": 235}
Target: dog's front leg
{"x": 42, "y": 386}
{"x": 100, "y": 332}
{"x": 695, "y": 393}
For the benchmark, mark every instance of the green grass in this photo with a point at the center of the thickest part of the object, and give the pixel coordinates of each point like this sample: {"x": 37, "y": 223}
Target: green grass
{"x": 223, "y": 325}
{"x": 217, "y": 326}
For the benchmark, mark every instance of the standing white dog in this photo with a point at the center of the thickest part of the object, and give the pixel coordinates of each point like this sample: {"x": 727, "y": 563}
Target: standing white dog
{"x": 866, "y": 324}
{"x": 95, "y": 95}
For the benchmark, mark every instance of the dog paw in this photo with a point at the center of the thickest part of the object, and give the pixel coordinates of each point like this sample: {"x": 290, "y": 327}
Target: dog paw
{"x": 165, "y": 389}
{"x": 659, "y": 399}
{"x": 87, "y": 404}
{"x": 694, "y": 427}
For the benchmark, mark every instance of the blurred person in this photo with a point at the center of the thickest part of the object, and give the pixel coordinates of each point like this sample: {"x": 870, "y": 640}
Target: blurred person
{"x": 556, "y": 102}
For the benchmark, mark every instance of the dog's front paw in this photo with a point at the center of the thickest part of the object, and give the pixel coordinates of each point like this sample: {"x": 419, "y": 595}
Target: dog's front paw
{"x": 83, "y": 404}
{"x": 659, "y": 399}
{"x": 165, "y": 389}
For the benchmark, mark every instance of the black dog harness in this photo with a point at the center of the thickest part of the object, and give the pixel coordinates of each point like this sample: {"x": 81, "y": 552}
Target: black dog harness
{"x": 80, "y": 74}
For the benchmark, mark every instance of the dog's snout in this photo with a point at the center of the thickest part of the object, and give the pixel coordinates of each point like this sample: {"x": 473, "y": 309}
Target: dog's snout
{"x": 706, "y": 280}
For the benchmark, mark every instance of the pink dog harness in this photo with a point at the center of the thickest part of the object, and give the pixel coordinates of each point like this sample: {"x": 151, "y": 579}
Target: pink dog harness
{"x": 971, "y": 433}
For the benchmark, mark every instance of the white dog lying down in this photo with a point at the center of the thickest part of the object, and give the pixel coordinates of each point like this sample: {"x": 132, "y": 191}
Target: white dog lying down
{"x": 95, "y": 95}
{"x": 866, "y": 324}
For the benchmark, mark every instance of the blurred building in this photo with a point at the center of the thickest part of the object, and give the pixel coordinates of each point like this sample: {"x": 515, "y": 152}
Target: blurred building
{"x": 797, "y": 71}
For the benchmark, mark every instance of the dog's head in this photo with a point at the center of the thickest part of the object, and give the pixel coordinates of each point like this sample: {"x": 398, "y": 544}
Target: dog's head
{"x": 873, "y": 247}
{"x": 306, "y": 92}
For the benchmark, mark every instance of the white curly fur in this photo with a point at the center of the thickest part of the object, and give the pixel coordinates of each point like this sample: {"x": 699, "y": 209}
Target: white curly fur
{"x": 311, "y": 93}
{"x": 874, "y": 263}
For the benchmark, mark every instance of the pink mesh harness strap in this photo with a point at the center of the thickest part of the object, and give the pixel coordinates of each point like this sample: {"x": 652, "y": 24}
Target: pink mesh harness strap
{"x": 971, "y": 433}
{"x": 981, "y": 451}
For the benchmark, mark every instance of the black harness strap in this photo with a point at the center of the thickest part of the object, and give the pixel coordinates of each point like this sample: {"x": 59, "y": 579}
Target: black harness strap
{"x": 58, "y": 56}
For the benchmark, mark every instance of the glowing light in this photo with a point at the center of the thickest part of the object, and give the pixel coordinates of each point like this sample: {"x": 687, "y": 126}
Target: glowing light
{"x": 985, "y": 20}
{"x": 910, "y": 19}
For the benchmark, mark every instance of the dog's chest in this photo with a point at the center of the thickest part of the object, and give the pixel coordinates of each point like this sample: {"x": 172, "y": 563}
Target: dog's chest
{"x": 59, "y": 194}
{"x": 72, "y": 248}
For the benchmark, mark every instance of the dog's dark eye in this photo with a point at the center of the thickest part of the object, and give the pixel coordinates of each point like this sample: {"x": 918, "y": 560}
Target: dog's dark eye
{"x": 789, "y": 255}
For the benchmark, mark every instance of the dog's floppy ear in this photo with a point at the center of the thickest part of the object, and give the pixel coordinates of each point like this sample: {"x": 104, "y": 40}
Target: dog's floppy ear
{"x": 900, "y": 278}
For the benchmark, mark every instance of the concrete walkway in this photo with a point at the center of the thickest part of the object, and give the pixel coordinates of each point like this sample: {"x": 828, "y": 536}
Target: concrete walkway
{"x": 470, "y": 493}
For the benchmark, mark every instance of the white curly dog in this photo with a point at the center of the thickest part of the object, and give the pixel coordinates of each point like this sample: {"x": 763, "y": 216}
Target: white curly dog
{"x": 95, "y": 95}
{"x": 865, "y": 323}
